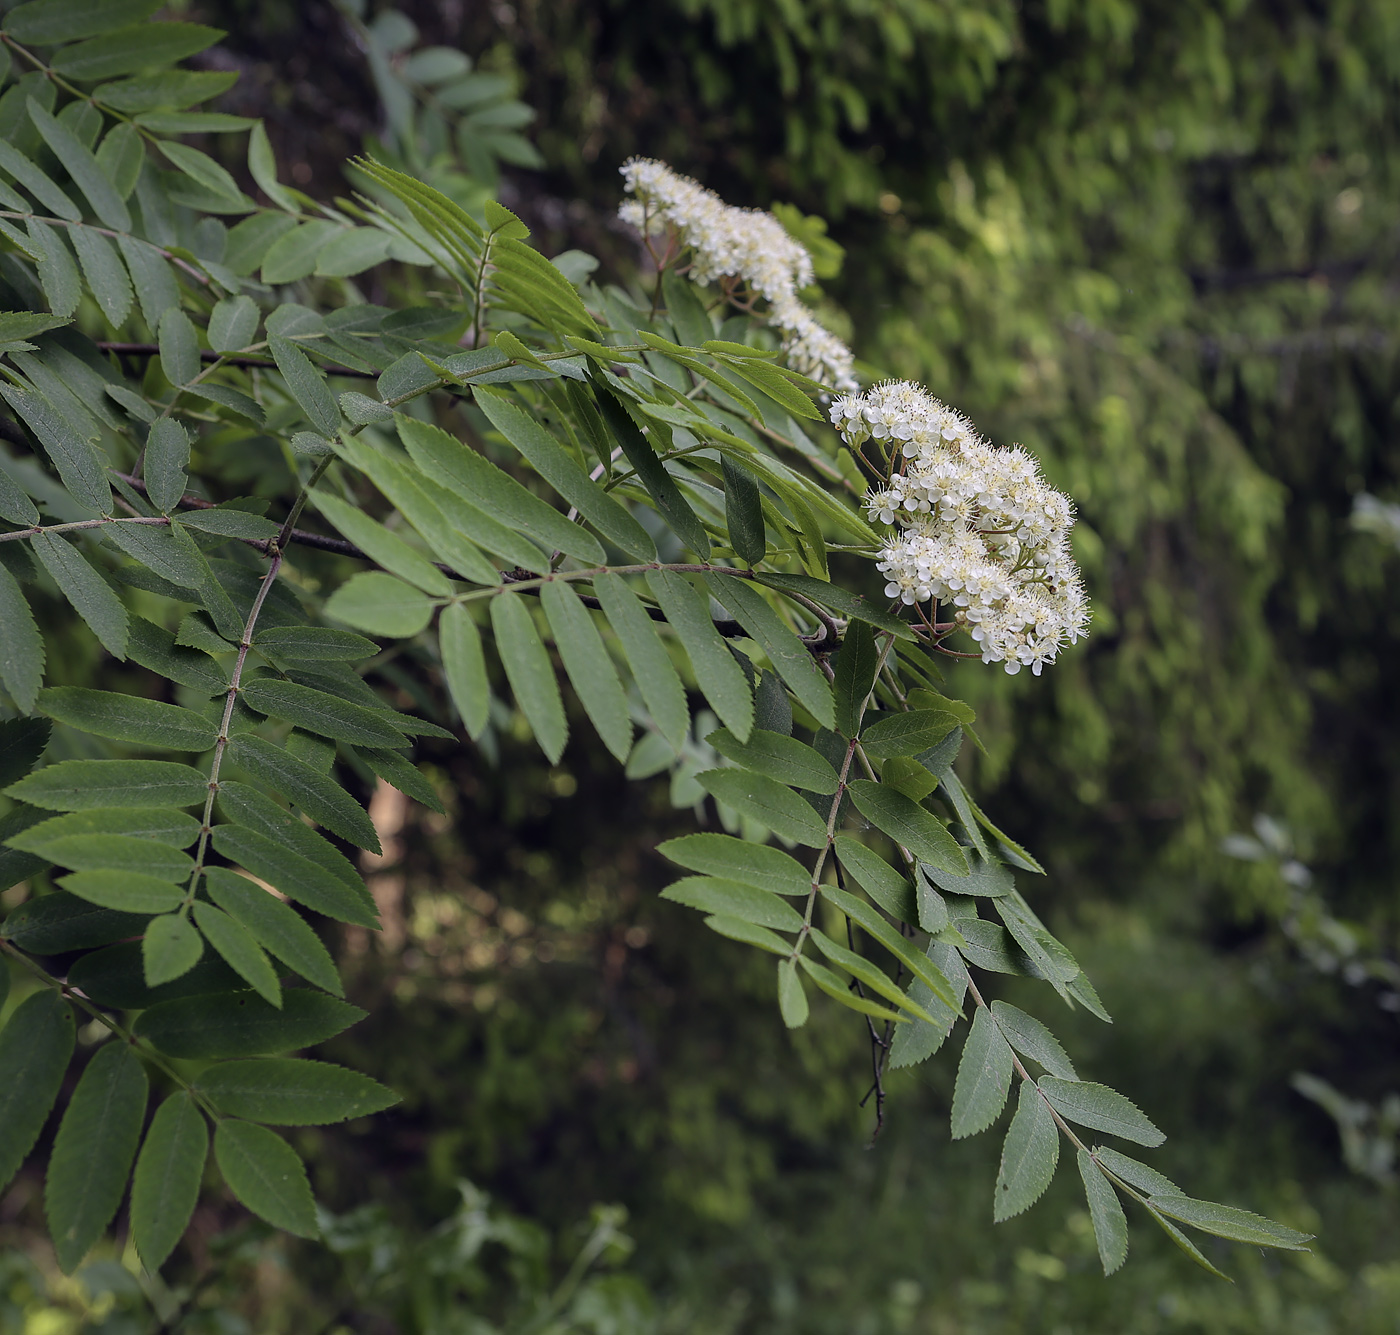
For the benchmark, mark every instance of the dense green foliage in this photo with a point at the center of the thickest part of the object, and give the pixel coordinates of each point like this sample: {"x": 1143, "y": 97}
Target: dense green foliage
{"x": 1098, "y": 275}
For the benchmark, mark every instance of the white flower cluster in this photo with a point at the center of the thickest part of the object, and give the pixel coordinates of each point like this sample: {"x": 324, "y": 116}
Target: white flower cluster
{"x": 747, "y": 244}
{"x": 980, "y": 529}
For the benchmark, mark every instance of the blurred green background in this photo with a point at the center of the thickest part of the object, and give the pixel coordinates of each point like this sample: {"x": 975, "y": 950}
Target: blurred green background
{"x": 1156, "y": 241}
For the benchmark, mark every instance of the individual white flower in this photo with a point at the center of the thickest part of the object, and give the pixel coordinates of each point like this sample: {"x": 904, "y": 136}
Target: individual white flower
{"x": 976, "y": 527}
{"x": 746, "y": 244}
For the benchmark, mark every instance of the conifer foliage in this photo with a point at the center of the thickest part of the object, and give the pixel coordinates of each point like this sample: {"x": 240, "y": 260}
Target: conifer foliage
{"x": 512, "y": 492}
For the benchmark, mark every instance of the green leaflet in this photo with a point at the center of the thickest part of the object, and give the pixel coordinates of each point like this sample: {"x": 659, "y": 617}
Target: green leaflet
{"x": 988, "y": 880}
{"x": 1225, "y": 1221}
{"x": 1135, "y": 1174}
{"x": 792, "y": 999}
{"x": 79, "y": 785}
{"x": 530, "y": 673}
{"x": 170, "y": 948}
{"x": 37, "y": 182}
{"x": 1032, "y": 1039}
{"x": 165, "y": 1188}
{"x": 22, "y": 648}
{"x": 93, "y": 1150}
{"x": 113, "y": 852}
{"x": 919, "y": 1041}
{"x": 57, "y": 922}
{"x": 242, "y": 953}
{"x": 78, "y": 161}
{"x": 15, "y": 506}
{"x": 126, "y": 891}
{"x": 856, "y": 666}
{"x": 203, "y": 170}
{"x": 22, "y": 743}
{"x": 789, "y": 656}
{"x": 906, "y": 734}
{"x": 832, "y": 985}
{"x": 461, "y": 470}
{"x": 984, "y": 1078}
{"x": 279, "y": 929}
{"x": 44, "y": 22}
{"x": 716, "y": 672}
{"x": 128, "y": 718}
{"x": 238, "y": 1024}
{"x": 1106, "y": 1212}
{"x": 734, "y": 900}
{"x": 266, "y": 1175}
{"x": 1185, "y": 1243}
{"x": 1088, "y": 1104}
{"x": 1029, "y": 1155}
{"x": 652, "y": 669}
{"x": 381, "y": 604}
{"x": 743, "y": 515}
{"x": 589, "y": 667}
{"x": 771, "y": 804}
{"x": 395, "y": 770}
{"x": 324, "y": 800}
{"x": 179, "y": 349}
{"x": 229, "y": 523}
{"x": 233, "y": 324}
{"x": 16, "y": 866}
{"x": 116, "y": 976}
{"x": 733, "y": 859}
{"x": 856, "y": 608}
{"x": 313, "y": 644}
{"x": 867, "y": 973}
{"x": 75, "y": 456}
{"x": 167, "y": 458}
{"x": 121, "y": 156}
{"x": 778, "y": 757}
{"x": 1049, "y": 957}
{"x": 307, "y": 385}
{"x": 58, "y": 271}
{"x": 106, "y": 275}
{"x": 141, "y": 46}
{"x": 908, "y": 824}
{"x": 288, "y": 1091}
{"x": 35, "y": 1046}
{"x": 464, "y": 667}
{"x": 383, "y": 547}
{"x": 318, "y": 712}
{"x": 550, "y": 460}
{"x": 891, "y": 891}
{"x": 295, "y": 876}
{"x": 736, "y": 929}
{"x": 899, "y": 946}
{"x": 151, "y": 275}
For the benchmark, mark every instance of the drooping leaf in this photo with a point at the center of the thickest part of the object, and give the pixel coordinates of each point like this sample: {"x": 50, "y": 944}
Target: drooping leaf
{"x": 287, "y": 1091}
{"x": 1028, "y": 1156}
{"x": 78, "y": 161}
{"x": 35, "y": 1046}
{"x": 1106, "y": 1212}
{"x": 1136, "y": 1174}
{"x": 153, "y": 278}
{"x": 743, "y": 514}
{"x": 324, "y": 800}
{"x": 93, "y": 1150}
{"x": 722, "y": 855}
{"x": 128, "y": 718}
{"x": 589, "y": 667}
{"x": 1088, "y": 1104}
{"x": 165, "y": 1187}
{"x": 832, "y": 984}
{"x": 856, "y": 666}
{"x": 734, "y": 900}
{"x": 266, "y": 1175}
{"x": 78, "y": 785}
{"x": 751, "y": 934}
{"x": 716, "y": 672}
{"x": 464, "y": 667}
{"x": 171, "y": 947}
{"x": 1185, "y": 1243}
{"x": 1032, "y": 1039}
{"x": 792, "y": 999}
{"x": 655, "y": 674}
{"x": 530, "y": 673}
{"x": 279, "y": 929}
{"x": 984, "y": 1078}
{"x": 295, "y": 876}
{"x": 771, "y": 804}
{"x": 907, "y": 823}
{"x": 919, "y": 1041}
{"x": 58, "y": 271}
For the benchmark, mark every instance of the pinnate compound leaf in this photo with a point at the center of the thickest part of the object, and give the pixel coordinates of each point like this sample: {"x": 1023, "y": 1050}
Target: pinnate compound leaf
{"x": 1225, "y": 1221}
{"x": 239, "y": 1024}
{"x": 35, "y": 1046}
{"x": 785, "y": 651}
{"x": 22, "y": 647}
{"x": 129, "y": 718}
{"x": 324, "y": 800}
{"x": 295, "y": 876}
{"x": 771, "y": 804}
{"x": 287, "y": 1091}
{"x": 381, "y": 604}
{"x": 80, "y": 785}
{"x": 655, "y": 674}
{"x": 732, "y": 859}
{"x": 1089, "y": 1104}
{"x": 984, "y": 1078}
{"x": 778, "y": 757}
{"x": 266, "y": 1175}
{"x": 165, "y": 1187}
{"x": 167, "y": 458}
{"x": 591, "y": 671}
{"x": 530, "y": 673}
{"x": 277, "y": 927}
{"x": 908, "y": 824}
{"x": 1106, "y": 1212}
{"x": 93, "y": 1150}
{"x": 170, "y": 948}
{"x": 318, "y": 712}
{"x": 464, "y": 667}
{"x": 732, "y": 899}
{"x": 1028, "y": 1155}
{"x": 716, "y": 673}
{"x": 242, "y": 953}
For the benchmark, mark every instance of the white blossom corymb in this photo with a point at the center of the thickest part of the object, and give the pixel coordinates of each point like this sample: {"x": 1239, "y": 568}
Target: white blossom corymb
{"x": 979, "y": 529}
{"x": 745, "y": 244}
